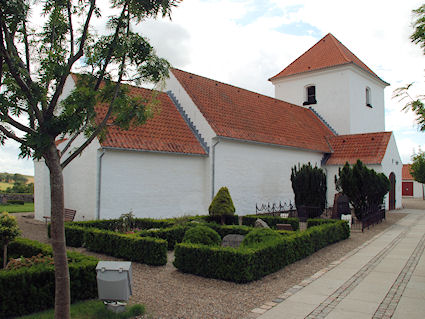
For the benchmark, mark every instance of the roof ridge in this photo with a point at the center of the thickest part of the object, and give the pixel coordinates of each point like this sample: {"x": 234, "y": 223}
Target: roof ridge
{"x": 338, "y": 46}
{"x": 238, "y": 87}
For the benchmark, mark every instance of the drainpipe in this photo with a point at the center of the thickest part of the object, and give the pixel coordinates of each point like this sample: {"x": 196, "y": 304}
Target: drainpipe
{"x": 213, "y": 169}
{"x": 99, "y": 181}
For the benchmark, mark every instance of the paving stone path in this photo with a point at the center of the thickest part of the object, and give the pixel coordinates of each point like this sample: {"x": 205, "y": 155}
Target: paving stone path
{"x": 383, "y": 278}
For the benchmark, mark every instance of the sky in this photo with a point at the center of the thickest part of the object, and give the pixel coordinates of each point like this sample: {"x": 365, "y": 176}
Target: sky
{"x": 245, "y": 42}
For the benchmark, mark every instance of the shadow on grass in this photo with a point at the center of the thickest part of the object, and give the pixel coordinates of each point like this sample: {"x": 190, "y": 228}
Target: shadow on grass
{"x": 92, "y": 309}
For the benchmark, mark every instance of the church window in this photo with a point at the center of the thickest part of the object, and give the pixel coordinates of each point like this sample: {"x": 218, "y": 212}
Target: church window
{"x": 310, "y": 95}
{"x": 368, "y": 97}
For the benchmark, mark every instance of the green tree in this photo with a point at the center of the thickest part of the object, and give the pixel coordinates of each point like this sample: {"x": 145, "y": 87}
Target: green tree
{"x": 222, "y": 204}
{"x": 309, "y": 186}
{"x": 34, "y": 65}
{"x": 365, "y": 188}
{"x": 417, "y": 170}
{"x": 8, "y": 231}
{"x": 415, "y": 103}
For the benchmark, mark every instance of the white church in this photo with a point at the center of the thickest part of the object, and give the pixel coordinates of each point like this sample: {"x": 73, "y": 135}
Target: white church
{"x": 328, "y": 110}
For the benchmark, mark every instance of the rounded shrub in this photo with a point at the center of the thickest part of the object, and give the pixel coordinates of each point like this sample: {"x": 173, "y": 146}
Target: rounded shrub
{"x": 202, "y": 235}
{"x": 260, "y": 235}
{"x": 222, "y": 204}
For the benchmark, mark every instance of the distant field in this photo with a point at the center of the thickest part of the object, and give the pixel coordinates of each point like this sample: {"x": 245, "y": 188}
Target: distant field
{"x": 4, "y": 186}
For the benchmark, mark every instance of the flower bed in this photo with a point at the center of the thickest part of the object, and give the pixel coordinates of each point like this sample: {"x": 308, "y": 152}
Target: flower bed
{"x": 29, "y": 289}
{"x": 246, "y": 264}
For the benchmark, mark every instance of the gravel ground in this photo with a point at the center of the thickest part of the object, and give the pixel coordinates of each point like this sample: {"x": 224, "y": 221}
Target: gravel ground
{"x": 168, "y": 293}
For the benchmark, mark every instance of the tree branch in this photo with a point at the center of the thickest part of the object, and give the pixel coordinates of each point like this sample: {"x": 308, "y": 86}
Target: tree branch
{"x": 71, "y": 61}
{"x": 17, "y": 125}
{"x": 105, "y": 119}
{"x": 11, "y": 135}
{"x": 111, "y": 49}
{"x": 72, "y": 139}
{"x": 13, "y": 69}
{"x": 71, "y": 30}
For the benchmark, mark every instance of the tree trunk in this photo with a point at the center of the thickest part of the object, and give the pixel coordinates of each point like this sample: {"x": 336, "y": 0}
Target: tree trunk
{"x": 62, "y": 286}
{"x": 4, "y": 256}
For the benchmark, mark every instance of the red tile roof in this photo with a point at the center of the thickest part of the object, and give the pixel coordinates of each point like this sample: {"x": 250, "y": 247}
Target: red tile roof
{"x": 326, "y": 53}
{"x": 237, "y": 113}
{"x": 167, "y": 131}
{"x": 370, "y": 148}
{"x": 405, "y": 172}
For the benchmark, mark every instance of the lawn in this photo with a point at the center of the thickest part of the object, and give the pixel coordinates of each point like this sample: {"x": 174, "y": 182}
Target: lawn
{"x": 92, "y": 309}
{"x": 11, "y": 208}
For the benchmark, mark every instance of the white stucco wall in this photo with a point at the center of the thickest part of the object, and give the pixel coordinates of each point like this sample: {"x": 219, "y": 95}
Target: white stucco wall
{"x": 257, "y": 174}
{"x": 154, "y": 185}
{"x": 340, "y": 95}
{"x": 41, "y": 190}
{"x": 80, "y": 178}
{"x": 364, "y": 119}
{"x": 332, "y": 94}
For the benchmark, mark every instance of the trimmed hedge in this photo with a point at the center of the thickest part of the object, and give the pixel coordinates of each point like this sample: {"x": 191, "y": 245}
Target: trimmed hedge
{"x": 148, "y": 250}
{"x": 249, "y": 220}
{"x": 202, "y": 235}
{"x": 141, "y": 223}
{"x": 246, "y": 264}
{"x": 172, "y": 235}
{"x": 311, "y": 222}
{"x": 35, "y": 285}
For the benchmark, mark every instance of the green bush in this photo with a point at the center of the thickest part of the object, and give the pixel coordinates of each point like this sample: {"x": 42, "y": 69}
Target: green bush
{"x": 246, "y": 264}
{"x": 364, "y": 187}
{"x": 172, "y": 235}
{"x": 35, "y": 284}
{"x": 309, "y": 186}
{"x": 249, "y": 220}
{"x": 311, "y": 222}
{"x": 202, "y": 235}
{"x": 148, "y": 250}
{"x": 15, "y": 202}
{"x": 260, "y": 235}
{"x": 222, "y": 204}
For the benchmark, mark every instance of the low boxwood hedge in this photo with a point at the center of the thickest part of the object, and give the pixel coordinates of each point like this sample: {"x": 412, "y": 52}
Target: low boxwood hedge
{"x": 311, "y": 222}
{"x": 172, "y": 235}
{"x": 246, "y": 264}
{"x": 31, "y": 289}
{"x": 147, "y": 250}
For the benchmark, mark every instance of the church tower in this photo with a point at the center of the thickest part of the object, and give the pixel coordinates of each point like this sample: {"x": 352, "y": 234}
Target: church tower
{"x": 331, "y": 81}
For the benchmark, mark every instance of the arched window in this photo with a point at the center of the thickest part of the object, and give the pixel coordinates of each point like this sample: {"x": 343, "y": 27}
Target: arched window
{"x": 310, "y": 95}
{"x": 368, "y": 97}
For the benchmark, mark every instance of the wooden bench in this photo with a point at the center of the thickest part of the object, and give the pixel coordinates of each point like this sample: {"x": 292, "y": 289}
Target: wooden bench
{"x": 69, "y": 215}
{"x": 284, "y": 227}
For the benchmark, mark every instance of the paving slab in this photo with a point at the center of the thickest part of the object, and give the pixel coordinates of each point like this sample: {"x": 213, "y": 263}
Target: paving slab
{"x": 384, "y": 279}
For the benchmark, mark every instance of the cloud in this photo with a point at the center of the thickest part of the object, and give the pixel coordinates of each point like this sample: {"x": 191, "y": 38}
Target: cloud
{"x": 9, "y": 161}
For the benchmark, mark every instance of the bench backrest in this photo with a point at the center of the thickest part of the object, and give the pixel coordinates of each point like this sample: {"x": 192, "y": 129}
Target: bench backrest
{"x": 69, "y": 214}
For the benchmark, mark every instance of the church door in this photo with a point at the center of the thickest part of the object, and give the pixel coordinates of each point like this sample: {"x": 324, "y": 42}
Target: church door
{"x": 392, "y": 192}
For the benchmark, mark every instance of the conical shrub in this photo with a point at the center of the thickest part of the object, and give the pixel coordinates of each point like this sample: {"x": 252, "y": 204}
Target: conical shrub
{"x": 222, "y": 204}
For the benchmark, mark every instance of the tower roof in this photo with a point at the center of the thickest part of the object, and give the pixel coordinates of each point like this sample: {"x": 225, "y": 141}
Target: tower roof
{"x": 328, "y": 52}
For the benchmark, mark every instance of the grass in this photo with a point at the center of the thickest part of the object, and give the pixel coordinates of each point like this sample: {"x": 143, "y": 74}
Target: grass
{"x": 12, "y": 208}
{"x": 92, "y": 309}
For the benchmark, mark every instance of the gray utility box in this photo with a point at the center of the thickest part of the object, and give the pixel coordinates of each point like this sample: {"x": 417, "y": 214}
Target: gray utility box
{"x": 114, "y": 280}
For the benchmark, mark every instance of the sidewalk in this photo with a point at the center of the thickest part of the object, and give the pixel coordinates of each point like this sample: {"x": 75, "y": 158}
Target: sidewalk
{"x": 384, "y": 278}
